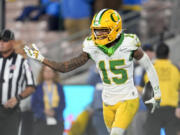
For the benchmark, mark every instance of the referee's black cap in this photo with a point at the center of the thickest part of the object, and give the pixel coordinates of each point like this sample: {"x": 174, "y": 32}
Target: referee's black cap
{"x": 7, "y": 35}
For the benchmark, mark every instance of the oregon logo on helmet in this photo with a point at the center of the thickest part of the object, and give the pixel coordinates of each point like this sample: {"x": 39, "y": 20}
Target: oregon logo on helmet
{"x": 106, "y": 19}
{"x": 114, "y": 17}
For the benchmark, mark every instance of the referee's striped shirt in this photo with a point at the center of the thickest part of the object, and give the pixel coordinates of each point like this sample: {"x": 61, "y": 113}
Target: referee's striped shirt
{"x": 15, "y": 75}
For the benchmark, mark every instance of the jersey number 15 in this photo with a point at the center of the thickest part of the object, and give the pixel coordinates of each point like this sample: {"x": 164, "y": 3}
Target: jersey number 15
{"x": 117, "y": 71}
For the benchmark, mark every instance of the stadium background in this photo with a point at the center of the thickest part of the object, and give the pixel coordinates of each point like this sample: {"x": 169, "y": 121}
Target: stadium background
{"x": 161, "y": 15}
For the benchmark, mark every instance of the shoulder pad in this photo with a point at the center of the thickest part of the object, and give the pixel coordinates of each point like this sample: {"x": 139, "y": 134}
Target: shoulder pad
{"x": 134, "y": 41}
{"x": 88, "y": 44}
{"x": 86, "y": 41}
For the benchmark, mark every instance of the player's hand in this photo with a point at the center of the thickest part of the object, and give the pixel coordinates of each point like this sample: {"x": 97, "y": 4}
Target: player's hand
{"x": 34, "y": 53}
{"x": 155, "y": 103}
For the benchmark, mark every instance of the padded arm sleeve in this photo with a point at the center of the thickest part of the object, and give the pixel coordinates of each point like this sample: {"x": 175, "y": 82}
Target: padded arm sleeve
{"x": 152, "y": 75}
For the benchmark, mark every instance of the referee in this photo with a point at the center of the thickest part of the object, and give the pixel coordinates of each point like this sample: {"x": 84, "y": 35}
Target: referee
{"x": 16, "y": 83}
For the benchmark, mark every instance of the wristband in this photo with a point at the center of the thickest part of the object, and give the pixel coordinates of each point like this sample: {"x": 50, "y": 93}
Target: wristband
{"x": 19, "y": 98}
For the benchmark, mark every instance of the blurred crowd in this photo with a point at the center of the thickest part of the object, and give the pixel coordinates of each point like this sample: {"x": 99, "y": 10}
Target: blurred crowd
{"x": 75, "y": 16}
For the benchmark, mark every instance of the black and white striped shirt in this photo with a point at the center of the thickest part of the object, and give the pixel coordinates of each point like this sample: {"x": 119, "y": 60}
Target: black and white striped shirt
{"x": 15, "y": 75}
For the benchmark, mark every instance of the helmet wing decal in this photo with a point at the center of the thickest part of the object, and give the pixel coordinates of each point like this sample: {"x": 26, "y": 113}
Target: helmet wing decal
{"x": 98, "y": 17}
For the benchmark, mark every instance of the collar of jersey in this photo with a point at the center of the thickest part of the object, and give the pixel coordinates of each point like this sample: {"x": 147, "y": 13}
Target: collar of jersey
{"x": 110, "y": 51}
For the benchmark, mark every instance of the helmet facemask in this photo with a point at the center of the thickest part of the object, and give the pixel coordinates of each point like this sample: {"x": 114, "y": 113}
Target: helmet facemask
{"x": 104, "y": 33}
{"x": 111, "y": 21}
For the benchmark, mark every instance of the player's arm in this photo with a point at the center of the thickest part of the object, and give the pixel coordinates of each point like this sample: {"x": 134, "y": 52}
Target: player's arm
{"x": 68, "y": 65}
{"x": 63, "y": 67}
{"x": 144, "y": 61}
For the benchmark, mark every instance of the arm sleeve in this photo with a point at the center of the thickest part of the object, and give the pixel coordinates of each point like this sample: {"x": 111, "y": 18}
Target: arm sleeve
{"x": 152, "y": 75}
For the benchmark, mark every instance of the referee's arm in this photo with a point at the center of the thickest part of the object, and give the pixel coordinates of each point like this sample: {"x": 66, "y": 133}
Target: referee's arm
{"x": 29, "y": 89}
{"x": 29, "y": 79}
{"x": 27, "y": 92}
{"x": 12, "y": 102}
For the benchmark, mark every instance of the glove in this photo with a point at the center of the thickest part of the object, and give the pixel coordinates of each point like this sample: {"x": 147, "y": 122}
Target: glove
{"x": 34, "y": 53}
{"x": 155, "y": 101}
{"x": 155, "y": 104}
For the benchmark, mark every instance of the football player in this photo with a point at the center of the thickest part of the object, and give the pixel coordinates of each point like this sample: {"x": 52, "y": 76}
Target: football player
{"x": 113, "y": 51}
